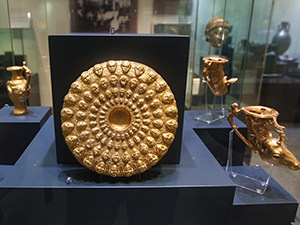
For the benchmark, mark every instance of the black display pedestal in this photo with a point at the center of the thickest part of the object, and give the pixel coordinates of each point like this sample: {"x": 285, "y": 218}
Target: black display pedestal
{"x": 18, "y": 131}
{"x": 275, "y": 207}
{"x": 196, "y": 191}
{"x": 216, "y": 135}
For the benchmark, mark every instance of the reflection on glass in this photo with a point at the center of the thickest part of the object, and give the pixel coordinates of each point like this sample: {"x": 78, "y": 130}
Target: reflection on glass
{"x": 217, "y": 31}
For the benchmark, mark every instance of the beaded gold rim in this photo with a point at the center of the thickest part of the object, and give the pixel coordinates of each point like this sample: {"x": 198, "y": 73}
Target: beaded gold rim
{"x": 119, "y": 118}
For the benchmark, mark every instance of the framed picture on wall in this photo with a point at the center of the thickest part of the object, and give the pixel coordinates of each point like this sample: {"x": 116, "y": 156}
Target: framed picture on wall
{"x": 172, "y": 7}
{"x": 183, "y": 29}
{"x": 101, "y": 16}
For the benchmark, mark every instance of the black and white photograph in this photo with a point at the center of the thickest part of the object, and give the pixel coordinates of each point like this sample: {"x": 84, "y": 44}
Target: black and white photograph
{"x": 103, "y": 16}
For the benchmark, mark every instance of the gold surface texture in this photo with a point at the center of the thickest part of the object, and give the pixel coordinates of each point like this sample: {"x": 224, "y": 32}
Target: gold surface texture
{"x": 119, "y": 118}
{"x": 214, "y": 75}
{"x": 18, "y": 88}
{"x": 217, "y": 31}
{"x": 261, "y": 121}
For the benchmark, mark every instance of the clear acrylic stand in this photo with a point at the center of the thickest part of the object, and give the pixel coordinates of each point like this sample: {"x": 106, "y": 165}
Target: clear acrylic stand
{"x": 211, "y": 116}
{"x": 244, "y": 181}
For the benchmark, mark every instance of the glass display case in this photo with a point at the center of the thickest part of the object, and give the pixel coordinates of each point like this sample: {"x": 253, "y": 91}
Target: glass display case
{"x": 18, "y": 44}
{"x": 259, "y": 40}
{"x": 5, "y": 50}
{"x": 244, "y": 33}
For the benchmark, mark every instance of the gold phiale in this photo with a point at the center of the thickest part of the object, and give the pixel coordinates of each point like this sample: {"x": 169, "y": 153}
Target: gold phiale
{"x": 214, "y": 75}
{"x": 119, "y": 118}
{"x": 18, "y": 88}
{"x": 261, "y": 121}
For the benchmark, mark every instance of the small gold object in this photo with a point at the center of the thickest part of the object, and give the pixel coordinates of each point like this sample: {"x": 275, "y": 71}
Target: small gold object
{"x": 217, "y": 31}
{"x": 119, "y": 118}
{"x": 214, "y": 75}
{"x": 18, "y": 88}
{"x": 261, "y": 121}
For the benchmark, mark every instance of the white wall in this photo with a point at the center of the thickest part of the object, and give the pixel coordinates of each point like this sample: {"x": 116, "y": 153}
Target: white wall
{"x": 4, "y": 22}
{"x": 53, "y": 17}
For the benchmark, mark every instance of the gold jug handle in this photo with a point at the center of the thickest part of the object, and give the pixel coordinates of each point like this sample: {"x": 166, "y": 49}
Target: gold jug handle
{"x": 234, "y": 112}
{"x": 27, "y": 72}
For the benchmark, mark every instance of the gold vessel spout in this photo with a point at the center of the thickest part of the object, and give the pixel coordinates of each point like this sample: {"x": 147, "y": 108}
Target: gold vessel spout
{"x": 261, "y": 121}
{"x": 18, "y": 88}
{"x": 214, "y": 75}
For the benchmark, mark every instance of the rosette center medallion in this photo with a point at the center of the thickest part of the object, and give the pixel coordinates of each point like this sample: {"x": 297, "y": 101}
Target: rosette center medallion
{"x": 119, "y": 118}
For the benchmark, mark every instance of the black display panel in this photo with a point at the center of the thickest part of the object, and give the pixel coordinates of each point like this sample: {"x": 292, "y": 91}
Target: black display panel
{"x": 71, "y": 54}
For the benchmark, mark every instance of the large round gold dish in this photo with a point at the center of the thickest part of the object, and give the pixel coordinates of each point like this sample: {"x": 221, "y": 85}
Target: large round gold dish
{"x": 119, "y": 118}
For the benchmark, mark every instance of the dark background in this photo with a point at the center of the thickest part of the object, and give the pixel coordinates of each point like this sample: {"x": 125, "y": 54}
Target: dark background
{"x": 71, "y": 54}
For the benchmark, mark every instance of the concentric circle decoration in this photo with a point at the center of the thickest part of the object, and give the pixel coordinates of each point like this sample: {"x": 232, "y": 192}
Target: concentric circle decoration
{"x": 119, "y": 118}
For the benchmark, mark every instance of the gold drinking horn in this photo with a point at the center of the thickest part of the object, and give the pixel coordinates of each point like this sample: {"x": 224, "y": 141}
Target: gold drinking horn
{"x": 119, "y": 118}
{"x": 18, "y": 88}
{"x": 214, "y": 75}
{"x": 261, "y": 121}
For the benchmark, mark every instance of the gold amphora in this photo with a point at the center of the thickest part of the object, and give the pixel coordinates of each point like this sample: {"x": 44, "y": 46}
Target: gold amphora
{"x": 261, "y": 121}
{"x": 18, "y": 88}
{"x": 214, "y": 76}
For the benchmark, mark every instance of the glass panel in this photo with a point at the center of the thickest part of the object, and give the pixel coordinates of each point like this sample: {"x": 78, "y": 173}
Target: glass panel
{"x": 29, "y": 29}
{"x": 207, "y": 11}
{"x": 234, "y": 46}
{"x": 6, "y": 51}
{"x": 254, "y": 57}
{"x": 243, "y": 46}
{"x": 55, "y": 16}
{"x": 280, "y": 81}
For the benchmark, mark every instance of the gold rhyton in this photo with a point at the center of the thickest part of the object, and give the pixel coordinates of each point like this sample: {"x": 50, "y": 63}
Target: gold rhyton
{"x": 18, "y": 88}
{"x": 119, "y": 118}
{"x": 261, "y": 121}
{"x": 214, "y": 75}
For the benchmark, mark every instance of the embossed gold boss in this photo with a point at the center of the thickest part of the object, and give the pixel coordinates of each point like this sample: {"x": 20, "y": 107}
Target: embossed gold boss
{"x": 119, "y": 118}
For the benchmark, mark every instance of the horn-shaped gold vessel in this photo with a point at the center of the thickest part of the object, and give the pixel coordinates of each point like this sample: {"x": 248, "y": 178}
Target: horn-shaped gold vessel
{"x": 214, "y": 75}
{"x": 261, "y": 121}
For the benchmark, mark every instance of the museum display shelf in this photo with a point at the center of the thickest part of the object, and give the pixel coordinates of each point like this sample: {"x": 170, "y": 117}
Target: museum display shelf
{"x": 18, "y": 131}
{"x": 276, "y": 206}
{"x": 196, "y": 190}
{"x": 215, "y": 137}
